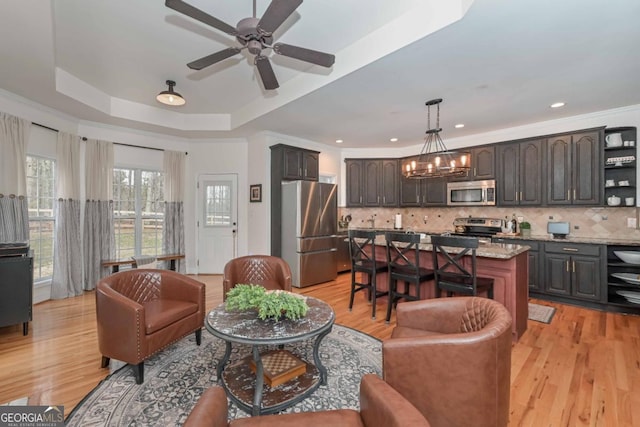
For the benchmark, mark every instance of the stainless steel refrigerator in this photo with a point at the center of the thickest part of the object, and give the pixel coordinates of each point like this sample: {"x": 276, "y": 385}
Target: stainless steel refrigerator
{"x": 309, "y": 227}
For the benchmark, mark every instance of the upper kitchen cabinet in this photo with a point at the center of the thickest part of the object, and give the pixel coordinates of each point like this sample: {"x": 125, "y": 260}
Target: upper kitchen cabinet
{"x": 422, "y": 192}
{"x": 620, "y": 166}
{"x": 520, "y": 173}
{"x": 297, "y": 163}
{"x": 288, "y": 163}
{"x": 574, "y": 168}
{"x": 483, "y": 161}
{"x": 372, "y": 182}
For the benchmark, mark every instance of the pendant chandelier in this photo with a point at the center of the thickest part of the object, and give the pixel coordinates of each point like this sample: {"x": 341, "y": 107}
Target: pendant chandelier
{"x": 435, "y": 160}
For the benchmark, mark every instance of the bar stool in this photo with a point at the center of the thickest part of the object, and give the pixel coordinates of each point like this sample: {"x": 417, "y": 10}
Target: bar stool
{"x": 403, "y": 258}
{"x": 363, "y": 260}
{"x": 451, "y": 275}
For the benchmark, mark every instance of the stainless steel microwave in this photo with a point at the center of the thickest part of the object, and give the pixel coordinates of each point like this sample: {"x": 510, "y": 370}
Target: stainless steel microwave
{"x": 471, "y": 193}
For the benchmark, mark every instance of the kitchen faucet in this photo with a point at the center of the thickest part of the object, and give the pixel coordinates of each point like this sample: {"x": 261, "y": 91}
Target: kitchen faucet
{"x": 372, "y": 220}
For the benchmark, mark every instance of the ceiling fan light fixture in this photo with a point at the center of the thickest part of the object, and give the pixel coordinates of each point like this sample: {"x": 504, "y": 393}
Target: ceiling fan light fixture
{"x": 170, "y": 97}
{"x": 435, "y": 160}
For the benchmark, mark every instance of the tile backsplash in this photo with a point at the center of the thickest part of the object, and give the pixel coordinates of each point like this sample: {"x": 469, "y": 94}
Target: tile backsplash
{"x": 597, "y": 222}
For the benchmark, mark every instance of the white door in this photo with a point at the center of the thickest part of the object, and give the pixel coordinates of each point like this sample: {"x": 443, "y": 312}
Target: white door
{"x": 217, "y": 221}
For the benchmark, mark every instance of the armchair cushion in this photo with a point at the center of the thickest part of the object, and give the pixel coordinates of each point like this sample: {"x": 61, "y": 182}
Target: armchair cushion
{"x": 160, "y": 313}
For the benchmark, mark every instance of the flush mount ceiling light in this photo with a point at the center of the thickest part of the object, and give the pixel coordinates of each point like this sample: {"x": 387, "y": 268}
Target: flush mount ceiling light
{"x": 435, "y": 160}
{"x": 169, "y": 97}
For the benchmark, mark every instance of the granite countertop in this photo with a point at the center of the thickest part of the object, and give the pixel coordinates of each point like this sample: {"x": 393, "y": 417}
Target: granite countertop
{"x": 575, "y": 239}
{"x": 486, "y": 250}
{"x": 535, "y": 237}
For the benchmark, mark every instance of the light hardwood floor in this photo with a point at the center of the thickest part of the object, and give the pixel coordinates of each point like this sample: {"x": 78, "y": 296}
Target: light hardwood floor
{"x": 583, "y": 369}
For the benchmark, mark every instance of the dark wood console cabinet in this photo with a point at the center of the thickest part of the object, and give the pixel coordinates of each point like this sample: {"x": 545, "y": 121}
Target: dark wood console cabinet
{"x": 16, "y": 291}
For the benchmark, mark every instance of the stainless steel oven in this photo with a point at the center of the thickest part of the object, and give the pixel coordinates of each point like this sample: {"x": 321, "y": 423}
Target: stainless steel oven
{"x": 471, "y": 193}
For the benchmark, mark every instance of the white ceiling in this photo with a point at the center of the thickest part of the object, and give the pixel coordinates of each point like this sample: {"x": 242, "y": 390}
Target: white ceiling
{"x": 496, "y": 64}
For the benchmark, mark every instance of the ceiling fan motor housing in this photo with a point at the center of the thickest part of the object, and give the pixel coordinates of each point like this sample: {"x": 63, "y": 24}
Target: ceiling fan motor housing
{"x": 249, "y": 35}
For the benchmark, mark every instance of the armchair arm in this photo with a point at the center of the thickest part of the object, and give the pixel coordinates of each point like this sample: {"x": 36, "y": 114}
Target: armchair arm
{"x": 435, "y": 315}
{"x": 210, "y": 410}
{"x": 381, "y": 405}
{"x": 120, "y": 324}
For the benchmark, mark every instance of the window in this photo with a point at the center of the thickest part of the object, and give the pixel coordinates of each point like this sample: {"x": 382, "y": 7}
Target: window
{"x": 218, "y": 204}
{"x": 41, "y": 199}
{"x": 138, "y": 212}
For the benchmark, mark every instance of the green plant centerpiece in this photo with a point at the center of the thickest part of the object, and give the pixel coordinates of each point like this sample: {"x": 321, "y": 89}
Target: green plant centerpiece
{"x": 276, "y": 305}
{"x": 525, "y": 229}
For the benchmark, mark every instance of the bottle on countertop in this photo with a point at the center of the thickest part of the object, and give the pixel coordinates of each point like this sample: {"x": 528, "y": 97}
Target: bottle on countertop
{"x": 514, "y": 223}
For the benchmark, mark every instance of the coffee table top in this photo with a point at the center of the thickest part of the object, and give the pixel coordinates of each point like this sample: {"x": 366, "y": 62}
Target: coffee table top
{"x": 245, "y": 326}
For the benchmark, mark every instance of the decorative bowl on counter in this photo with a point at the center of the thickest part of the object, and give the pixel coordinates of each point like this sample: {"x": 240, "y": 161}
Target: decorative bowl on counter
{"x": 630, "y": 257}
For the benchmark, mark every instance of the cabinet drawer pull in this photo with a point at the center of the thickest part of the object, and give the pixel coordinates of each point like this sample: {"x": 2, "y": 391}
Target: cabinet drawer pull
{"x": 570, "y": 249}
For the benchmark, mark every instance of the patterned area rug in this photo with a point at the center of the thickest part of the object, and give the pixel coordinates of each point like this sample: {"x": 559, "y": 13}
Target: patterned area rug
{"x": 176, "y": 377}
{"x": 541, "y": 313}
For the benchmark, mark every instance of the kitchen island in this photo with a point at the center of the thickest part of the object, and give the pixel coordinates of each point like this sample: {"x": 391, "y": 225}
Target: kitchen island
{"x": 507, "y": 264}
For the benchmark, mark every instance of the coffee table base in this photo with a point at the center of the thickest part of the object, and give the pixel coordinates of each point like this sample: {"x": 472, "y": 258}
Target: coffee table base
{"x": 239, "y": 382}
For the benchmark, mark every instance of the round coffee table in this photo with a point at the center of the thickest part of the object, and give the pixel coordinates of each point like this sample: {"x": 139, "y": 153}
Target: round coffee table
{"x": 245, "y": 387}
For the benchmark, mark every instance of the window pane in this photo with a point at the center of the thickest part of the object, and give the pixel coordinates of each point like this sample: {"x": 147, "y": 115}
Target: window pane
{"x": 218, "y": 204}
{"x": 41, "y": 196}
{"x": 138, "y": 212}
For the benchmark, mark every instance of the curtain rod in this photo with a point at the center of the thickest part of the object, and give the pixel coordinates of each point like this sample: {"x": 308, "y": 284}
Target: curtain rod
{"x": 116, "y": 143}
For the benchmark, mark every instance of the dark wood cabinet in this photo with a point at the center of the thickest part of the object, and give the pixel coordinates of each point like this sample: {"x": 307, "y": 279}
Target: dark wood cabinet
{"x": 288, "y": 163}
{"x": 520, "y": 177}
{"x": 535, "y": 266}
{"x": 483, "y": 163}
{"x": 299, "y": 163}
{"x": 574, "y": 171}
{"x": 574, "y": 270}
{"x": 372, "y": 182}
{"x": 16, "y": 291}
{"x": 422, "y": 192}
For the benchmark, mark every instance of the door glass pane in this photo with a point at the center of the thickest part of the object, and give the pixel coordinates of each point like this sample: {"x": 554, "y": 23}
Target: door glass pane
{"x": 217, "y": 204}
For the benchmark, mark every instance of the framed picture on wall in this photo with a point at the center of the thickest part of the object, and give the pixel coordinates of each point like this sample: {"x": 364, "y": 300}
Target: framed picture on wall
{"x": 255, "y": 193}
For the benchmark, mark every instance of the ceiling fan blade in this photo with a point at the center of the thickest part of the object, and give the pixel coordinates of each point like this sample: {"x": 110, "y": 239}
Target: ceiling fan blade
{"x": 307, "y": 55}
{"x": 195, "y": 13}
{"x": 266, "y": 73}
{"x": 276, "y": 13}
{"x": 205, "y": 61}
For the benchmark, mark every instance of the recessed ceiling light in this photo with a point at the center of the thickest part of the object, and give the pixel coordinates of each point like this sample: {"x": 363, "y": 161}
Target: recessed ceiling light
{"x": 394, "y": 140}
{"x": 459, "y": 125}
{"x": 339, "y": 141}
{"x": 557, "y": 105}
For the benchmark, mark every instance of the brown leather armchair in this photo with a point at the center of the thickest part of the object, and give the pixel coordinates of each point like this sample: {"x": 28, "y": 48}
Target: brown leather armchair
{"x": 380, "y": 406}
{"x": 265, "y": 270}
{"x": 140, "y": 312}
{"x": 451, "y": 358}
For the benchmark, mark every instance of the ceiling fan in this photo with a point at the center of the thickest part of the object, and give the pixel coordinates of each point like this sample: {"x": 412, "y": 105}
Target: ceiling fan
{"x": 255, "y": 35}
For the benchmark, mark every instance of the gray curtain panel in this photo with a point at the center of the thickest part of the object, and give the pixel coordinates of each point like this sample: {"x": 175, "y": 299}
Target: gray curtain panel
{"x": 173, "y": 238}
{"x": 14, "y": 219}
{"x": 67, "y": 252}
{"x": 14, "y": 209}
{"x": 98, "y": 240}
{"x": 67, "y": 260}
{"x": 98, "y": 211}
